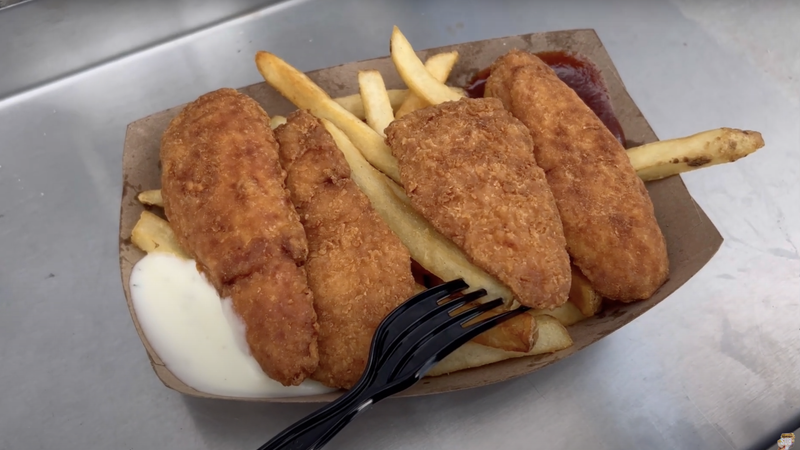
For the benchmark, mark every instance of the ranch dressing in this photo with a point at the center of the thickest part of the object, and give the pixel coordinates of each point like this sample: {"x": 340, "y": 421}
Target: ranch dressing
{"x": 197, "y": 335}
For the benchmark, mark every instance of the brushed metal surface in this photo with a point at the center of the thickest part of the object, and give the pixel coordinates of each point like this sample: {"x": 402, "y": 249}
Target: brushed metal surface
{"x": 43, "y": 40}
{"x": 714, "y": 366}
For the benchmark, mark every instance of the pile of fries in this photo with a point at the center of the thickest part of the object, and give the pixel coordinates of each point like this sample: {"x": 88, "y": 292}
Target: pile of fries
{"x": 357, "y": 123}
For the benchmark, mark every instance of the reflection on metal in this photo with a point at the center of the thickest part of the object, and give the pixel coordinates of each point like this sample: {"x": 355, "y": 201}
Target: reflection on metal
{"x": 76, "y": 35}
{"x": 7, "y": 3}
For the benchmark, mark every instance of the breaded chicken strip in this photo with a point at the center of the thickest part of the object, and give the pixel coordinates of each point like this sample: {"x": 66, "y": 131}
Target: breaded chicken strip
{"x": 224, "y": 195}
{"x": 468, "y": 168}
{"x": 357, "y": 267}
{"x": 609, "y": 222}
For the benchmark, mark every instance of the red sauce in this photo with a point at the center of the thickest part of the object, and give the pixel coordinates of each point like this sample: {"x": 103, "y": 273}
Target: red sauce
{"x": 477, "y": 85}
{"x": 577, "y": 73}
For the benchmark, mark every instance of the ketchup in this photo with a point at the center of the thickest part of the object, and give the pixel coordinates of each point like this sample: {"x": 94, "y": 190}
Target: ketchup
{"x": 477, "y": 85}
{"x": 577, "y": 73}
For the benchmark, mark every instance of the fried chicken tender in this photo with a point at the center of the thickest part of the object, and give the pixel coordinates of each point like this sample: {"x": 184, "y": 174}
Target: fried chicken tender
{"x": 468, "y": 168}
{"x": 609, "y": 222}
{"x": 224, "y": 195}
{"x": 358, "y": 269}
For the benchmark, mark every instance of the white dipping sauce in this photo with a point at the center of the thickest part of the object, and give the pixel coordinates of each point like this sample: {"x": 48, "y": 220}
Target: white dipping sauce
{"x": 197, "y": 335}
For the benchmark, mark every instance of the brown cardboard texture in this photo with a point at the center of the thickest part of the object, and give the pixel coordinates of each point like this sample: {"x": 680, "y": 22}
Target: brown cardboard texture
{"x": 691, "y": 237}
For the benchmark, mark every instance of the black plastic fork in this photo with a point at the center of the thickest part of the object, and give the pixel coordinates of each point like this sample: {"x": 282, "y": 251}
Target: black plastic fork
{"x": 408, "y": 343}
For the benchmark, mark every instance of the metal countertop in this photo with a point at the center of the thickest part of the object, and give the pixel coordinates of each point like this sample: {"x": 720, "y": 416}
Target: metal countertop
{"x": 717, "y": 365}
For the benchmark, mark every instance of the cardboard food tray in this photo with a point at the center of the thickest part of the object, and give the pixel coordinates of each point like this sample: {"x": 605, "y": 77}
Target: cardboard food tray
{"x": 691, "y": 237}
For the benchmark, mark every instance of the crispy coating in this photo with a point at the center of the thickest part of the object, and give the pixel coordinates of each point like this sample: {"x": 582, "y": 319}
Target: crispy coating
{"x": 468, "y": 167}
{"x": 224, "y": 195}
{"x": 609, "y": 222}
{"x": 357, "y": 267}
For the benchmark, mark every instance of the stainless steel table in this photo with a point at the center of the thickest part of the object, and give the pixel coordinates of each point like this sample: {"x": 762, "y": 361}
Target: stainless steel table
{"x": 717, "y": 365}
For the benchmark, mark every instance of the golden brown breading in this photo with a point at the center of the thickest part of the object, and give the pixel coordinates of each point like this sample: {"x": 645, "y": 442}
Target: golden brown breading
{"x": 276, "y": 306}
{"x": 611, "y": 230}
{"x": 358, "y": 269}
{"x": 224, "y": 195}
{"x": 468, "y": 168}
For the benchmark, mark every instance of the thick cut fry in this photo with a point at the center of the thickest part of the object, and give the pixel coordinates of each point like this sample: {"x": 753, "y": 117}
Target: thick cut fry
{"x": 153, "y": 234}
{"x": 305, "y": 94}
{"x": 582, "y": 295}
{"x": 515, "y": 335}
{"x": 439, "y": 66}
{"x": 413, "y": 72}
{"x": 427, "y": 246}
{"x": 552, "y": 338}
{"x": 567, "y": 314}
{"x": 276, "y": 121}
{"x": 151, "y": 197}
{"x": 377, "y": 106}
{"x": 666, "y": 158}
{"x": 355, "y": 105}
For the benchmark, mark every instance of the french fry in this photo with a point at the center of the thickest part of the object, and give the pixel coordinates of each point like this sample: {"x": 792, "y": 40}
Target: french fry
{"x": 567, "y": 314}
{"x": 439, "y": 66}
{"x": 377, "y": 106}
{"x": 582, "y": 295}
{"x": 399, "y": 192}
{"x": 427, "y": 246}
{"x": 552, "y": 338}
{"x": 458, "y": 91}
{"x": 413, "y": 72}
{"x": 153, "y": 234}
{"x": 355, "y": 105}
{"x": 517, "y": 334}
{"x": 671, "y": 157}
{"x": 305, "y": 94}
{"x": 151, "y": 197}
{"x": 276, "y": 121}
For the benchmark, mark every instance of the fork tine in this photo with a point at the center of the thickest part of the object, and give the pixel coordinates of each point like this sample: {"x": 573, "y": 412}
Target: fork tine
{"x": 430, "y": 328}
{"x": 436, "y": 318}
{"x": 472, "y": 313}
{"x": 437, "y": 346}
{"x": 398, "y": 320}
{"x": 432, "y": 295}
{"x": 411, "y": 311}
{"x": 385, "y": 334}
{"x": 419, "y": 333}
{"x": 420, "y": 324}
{"x": 490, "y": 322}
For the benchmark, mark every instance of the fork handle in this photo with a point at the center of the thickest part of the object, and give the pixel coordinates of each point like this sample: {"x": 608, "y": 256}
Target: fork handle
{"x": 308, "y": 431}
{"x": 369, "y": 397}
{"x": 317, "y": 438}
